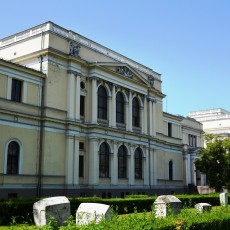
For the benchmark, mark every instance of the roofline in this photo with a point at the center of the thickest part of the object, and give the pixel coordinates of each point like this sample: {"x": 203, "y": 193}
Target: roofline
{"x": 75, "y": 37}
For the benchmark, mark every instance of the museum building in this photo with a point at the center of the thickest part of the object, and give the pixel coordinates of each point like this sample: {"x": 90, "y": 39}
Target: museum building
{"x": 79, "y": 119}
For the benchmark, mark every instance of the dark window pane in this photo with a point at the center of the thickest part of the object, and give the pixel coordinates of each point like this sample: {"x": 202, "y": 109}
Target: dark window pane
{"x": 13, "y": 158}
{"x": 16, "y": 90}
{"x": 170, "y": 170}
{"x": 138, "y": 163}
{"x": 81, "y": 145}
{"x": 81, "y": 166}
{"x": 122, "y": 162}
{"x": 82, "y": 105}
{"x": 102, "y": 103}
{"x": 169, "y": 129}
{"x": 104, "y": 160}
{"x": 120, "y": 108}
{"x": 136, "y": 112}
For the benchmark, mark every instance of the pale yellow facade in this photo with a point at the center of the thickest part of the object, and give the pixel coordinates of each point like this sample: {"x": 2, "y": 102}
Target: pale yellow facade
{"x": 60, "y": 130}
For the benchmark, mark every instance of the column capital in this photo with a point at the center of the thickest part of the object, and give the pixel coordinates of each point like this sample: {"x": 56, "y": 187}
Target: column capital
{"x": 75, "y": 73}
{"x": 152, "y": 99}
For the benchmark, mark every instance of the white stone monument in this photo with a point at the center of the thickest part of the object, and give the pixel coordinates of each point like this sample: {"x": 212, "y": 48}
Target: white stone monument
{"x": 88, "y": 212}
{"x": 166, "y": 204}
{"x": 57, "y": 207}
{"x": 202, "y": 207}
{"x": 224, "y": 199}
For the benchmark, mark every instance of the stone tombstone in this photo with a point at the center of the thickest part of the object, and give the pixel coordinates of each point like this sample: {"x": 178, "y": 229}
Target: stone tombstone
{"x": 57, "y": 207}
{"x": 224, "y": 199}
{"x": 166, "y": 204}
{"x": 202, "y": 207}
{"x": 88, "y": 212}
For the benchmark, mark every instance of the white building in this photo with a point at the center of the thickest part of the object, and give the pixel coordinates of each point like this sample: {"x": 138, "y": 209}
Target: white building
{"x": 92, "y": 124}
{"x": 215, "y": 121}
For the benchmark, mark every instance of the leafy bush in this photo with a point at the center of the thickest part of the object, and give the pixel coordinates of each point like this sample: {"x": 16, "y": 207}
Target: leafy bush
{"x": 22, "y": 209}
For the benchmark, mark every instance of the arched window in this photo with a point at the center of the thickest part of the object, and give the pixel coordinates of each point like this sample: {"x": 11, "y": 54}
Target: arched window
{"x": 170, "y": 170}
{"x": 136, "y": 112}
{"x": 104, "y": 160}
{"x": 13, "y": 152}
{"x": 120, "y": 108}
{"x": 122, "y": 162}
{"x": 138, "y": 163}
{"x": 102, "y": 103}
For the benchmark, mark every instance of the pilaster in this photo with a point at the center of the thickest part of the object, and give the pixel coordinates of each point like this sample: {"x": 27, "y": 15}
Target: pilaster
{"x": 94, "y": 101}
{"x": 78, "y": 92}
{"x": 93, "y": 162}
{"x": 71, "y": 95}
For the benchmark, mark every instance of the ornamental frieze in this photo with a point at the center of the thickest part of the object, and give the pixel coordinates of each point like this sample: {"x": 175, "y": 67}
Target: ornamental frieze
{"x": 123, "y": 70}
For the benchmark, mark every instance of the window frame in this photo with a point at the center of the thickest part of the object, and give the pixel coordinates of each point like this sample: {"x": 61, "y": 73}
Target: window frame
{"x": 16, "y": 90}
{"x": 104, "y": 161}
{"x": 19, "y": 164}
{"x": 102, "y": 103}
{"x": 135, "y": 112}
{"x": 138, "y": 162}
{"x": 122, "y": 162}
{"x": 120, "y": 108}
{"x": 170, "y": 167}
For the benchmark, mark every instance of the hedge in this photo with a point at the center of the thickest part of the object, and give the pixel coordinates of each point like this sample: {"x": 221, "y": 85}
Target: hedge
{"x": 22, "y": 209}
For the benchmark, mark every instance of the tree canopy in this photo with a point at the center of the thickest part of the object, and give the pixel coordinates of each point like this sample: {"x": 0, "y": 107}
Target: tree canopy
{"x": 214, "y": 161}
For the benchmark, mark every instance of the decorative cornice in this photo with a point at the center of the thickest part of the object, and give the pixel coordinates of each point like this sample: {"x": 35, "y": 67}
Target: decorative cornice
{"x": 75, "y": 73}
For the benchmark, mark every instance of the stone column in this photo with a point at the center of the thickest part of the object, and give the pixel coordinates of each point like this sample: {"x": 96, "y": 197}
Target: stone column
{"x": 113, "y": 107}
{"x": 193, "y": 170}
{"x": 150, "y": 118}
{"x": 146, "y": 167}
{"x": 154, "y": 118}
{"x": 131, "y": 165}
{"x": 145, "y": 118}
{"x": 151, "y": 165}
{"x": 9, "y": 88}
{"x": 154, "y": 167}
{"x": 71, "y": 95}
{"x": 76, "y": 161}
{"x": 78, "y": 92}
{"x": 130, "y": 118}
{"x": 142, "y": 119}
{"x": 93, "y": 162}
{"x": 110, "y": 111}
{"x": 69, "y": 160}
{"x": 114, "y": 165}
{"x": 127, "y": 115}
{"x": 94, "y": 101}
{"x": 24, "y": 92}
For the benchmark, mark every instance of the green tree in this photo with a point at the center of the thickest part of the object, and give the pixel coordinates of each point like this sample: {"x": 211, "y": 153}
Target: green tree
{"x": 214, "y": 161}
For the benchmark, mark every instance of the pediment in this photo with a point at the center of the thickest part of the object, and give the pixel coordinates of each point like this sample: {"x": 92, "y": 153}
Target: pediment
{"x": 126, "y": 71}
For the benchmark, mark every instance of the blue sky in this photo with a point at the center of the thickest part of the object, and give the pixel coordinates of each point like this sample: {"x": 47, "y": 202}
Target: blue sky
{"x": 187, "y": 42}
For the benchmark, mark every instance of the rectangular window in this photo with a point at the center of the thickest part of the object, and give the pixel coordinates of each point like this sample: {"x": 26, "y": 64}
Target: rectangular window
{"x": 16, "y": 90}
{"x": 169, "y": 129}
{"x": 82, "y": 105}
{"x": 81, "y": 166}
{"x": 81, "y": 145}
{"x": 192, "y": 140}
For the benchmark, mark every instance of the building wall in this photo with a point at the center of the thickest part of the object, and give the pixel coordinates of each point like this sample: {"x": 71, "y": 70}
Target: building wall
{"x": 55, "y": 137}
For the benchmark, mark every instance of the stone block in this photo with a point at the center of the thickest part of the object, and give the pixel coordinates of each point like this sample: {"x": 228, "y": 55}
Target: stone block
{"x": 56, "y": 207}
{"x": 202, "y": 207}
{"x": 224, "y": 199}
{"x": 167, "y": 204}
{"x": 88, "y": 212}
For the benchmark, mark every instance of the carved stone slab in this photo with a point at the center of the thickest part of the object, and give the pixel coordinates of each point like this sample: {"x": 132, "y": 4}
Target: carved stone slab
{"x": 166, "y": 204}
{"x": 201, "y": 207}
{"x": 224, "y": 199}
{"x": 88, "y": 212}
{"x": 57, "y": 207}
